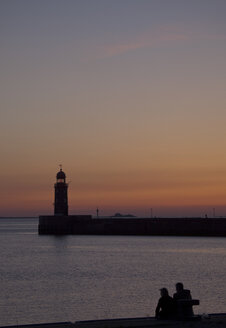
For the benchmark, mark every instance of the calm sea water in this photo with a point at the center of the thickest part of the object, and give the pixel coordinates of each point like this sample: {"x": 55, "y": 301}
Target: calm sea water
{"x": 70, "y": 278}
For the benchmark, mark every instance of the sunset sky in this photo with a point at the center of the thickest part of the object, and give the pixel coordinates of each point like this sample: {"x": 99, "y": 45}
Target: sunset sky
{"x": 128, "y": 95}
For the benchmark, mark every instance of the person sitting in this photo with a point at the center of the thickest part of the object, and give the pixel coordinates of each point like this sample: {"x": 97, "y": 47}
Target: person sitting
{"x": 182, "y": 294}
{"x": 165, "y": 308}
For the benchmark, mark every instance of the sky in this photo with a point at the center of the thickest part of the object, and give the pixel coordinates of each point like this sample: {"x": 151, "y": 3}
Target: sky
{"x": 128, "y": 95}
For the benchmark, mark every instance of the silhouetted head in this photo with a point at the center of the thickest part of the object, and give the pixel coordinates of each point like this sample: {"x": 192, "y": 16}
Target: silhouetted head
{"x": 179, "y": 286}
{"x": 164, "y": 292}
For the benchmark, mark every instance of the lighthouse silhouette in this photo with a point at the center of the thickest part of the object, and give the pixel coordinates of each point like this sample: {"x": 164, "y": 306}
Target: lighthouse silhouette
{"x": 61, "y": 199}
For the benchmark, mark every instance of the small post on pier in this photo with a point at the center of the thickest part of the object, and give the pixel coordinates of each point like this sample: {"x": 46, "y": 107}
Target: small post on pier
{"x": 151, "y": 213}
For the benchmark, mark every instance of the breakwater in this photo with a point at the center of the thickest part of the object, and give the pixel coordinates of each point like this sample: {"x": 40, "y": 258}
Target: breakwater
{"x": 87, "y": 225}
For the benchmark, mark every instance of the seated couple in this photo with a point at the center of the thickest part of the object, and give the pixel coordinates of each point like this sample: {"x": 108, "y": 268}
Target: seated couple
{"x": 167, "y": 307}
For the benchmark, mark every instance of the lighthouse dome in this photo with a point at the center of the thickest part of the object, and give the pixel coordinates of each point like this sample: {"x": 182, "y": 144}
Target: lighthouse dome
{"x": 60, "y": 175}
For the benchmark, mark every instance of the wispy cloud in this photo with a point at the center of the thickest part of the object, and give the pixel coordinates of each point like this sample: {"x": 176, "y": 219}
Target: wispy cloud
{"x": 159, "y": 37}
{"x": 147, "y": 40}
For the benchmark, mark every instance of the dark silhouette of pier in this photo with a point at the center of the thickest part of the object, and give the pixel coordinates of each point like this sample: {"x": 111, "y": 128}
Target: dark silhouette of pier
{"x": 62, "y": 223}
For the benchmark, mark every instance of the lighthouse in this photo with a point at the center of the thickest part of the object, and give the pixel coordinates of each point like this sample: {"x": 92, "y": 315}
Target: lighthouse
{"x": 61, "y": 200}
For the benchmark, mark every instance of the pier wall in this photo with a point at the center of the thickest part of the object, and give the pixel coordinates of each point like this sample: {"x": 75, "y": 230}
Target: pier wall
{"x": 85, "y": 224}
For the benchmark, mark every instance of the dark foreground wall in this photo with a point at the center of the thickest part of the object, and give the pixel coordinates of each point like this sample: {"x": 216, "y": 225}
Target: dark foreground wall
{"x": 86, "y": 225}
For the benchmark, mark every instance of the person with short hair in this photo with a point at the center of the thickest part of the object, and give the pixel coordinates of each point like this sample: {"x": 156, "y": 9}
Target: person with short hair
{"x": 165, "y": 308}
{"x": 181, "y": 293}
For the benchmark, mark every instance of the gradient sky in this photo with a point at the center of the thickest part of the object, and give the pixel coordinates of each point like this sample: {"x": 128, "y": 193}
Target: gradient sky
{"x": 128, "y": 95}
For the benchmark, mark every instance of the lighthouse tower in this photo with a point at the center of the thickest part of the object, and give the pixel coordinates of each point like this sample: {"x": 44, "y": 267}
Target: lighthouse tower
{"x": 61, "y": 201}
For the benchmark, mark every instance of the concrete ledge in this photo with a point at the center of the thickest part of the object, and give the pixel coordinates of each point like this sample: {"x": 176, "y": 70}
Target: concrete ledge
{"x": 116, "y": 323}
{"x": 217, "y": 320}
{"x": 66, "y": 324}
{"x": 214, "y": 320}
